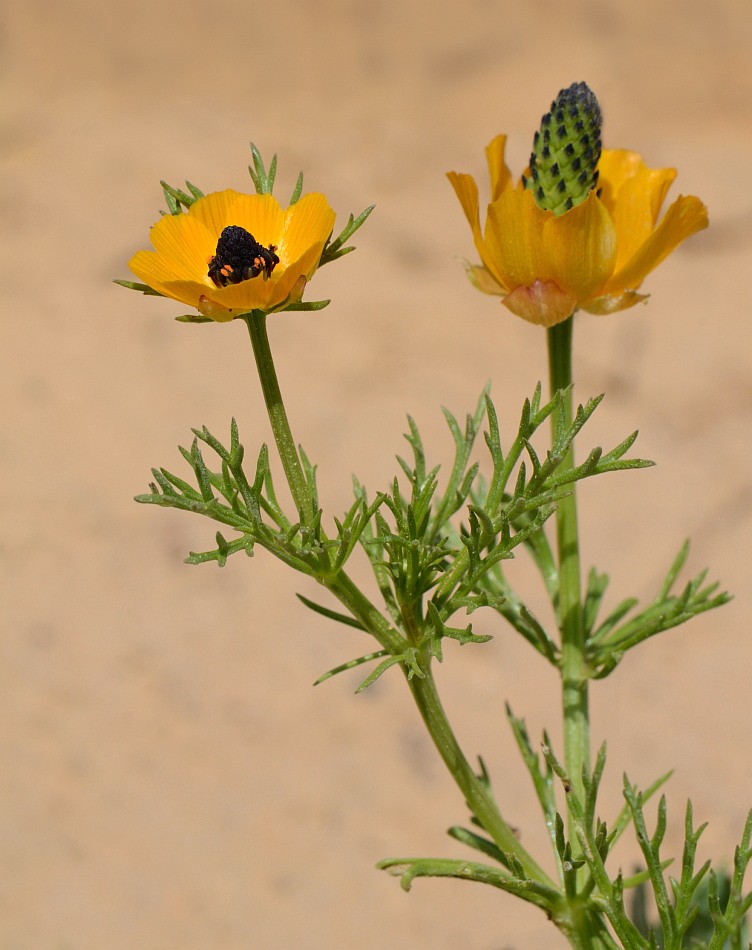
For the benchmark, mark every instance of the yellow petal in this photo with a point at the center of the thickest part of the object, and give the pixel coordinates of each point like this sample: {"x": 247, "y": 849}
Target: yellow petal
{"x": 254, "y": 294}
{"x": 295, "y": 295}
{"x": 501, "y": 177}
{"x": 308, "y": 261}
{"x": 580, "y": 246}
{"x": 483, "y": 279}
{"x": 611, "y": 303}
{"x": 685, "y": 217}
{"x": 636, "y": 210}
{"x": 542, "y": 303}
{"x": 616, "y": 166}
{"x": 210, "y": 308}
{"x": 183, "y": 243}
{"x": 467, "y": 192}
{"x": 306, "y": 223}
{"x": 619, "y": 168}
{"x": 258, "y": 293}
{"x": 261, "y": 215}
{"x": 514, "y": 240}
{"x": 154, "y": 271}
{"x": 151, "y": 269}
{"x": 216, "y": 212}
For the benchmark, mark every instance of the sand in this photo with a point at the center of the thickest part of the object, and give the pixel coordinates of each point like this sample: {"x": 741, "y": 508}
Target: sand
{"x": 170, "y": 778}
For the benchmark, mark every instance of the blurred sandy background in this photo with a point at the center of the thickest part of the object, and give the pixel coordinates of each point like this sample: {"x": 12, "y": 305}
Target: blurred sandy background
{"x": 168, "y": 777}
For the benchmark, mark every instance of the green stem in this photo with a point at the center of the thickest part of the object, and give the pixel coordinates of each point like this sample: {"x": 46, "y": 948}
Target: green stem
{"x": 477, "y": 795}
{"x": 569, "y": 608}
{"x": 348, "y": 594}
{"x": 288, "y": 453}
{"x": 423, "y": 689}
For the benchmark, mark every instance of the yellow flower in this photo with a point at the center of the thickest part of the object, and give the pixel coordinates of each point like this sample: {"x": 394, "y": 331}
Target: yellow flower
{"x": 593, "y": 257}
{"x": 279, "y": 252}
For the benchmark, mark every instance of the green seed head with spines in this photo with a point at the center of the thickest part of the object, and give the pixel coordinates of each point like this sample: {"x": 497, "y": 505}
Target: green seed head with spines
{"x": 566, "y": 150}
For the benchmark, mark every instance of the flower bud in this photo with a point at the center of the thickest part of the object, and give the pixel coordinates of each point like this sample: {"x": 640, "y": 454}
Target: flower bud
{"x": 566, "y": 151}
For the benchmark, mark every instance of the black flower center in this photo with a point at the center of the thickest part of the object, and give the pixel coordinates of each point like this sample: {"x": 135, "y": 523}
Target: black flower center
{"x": 240, "y": 257}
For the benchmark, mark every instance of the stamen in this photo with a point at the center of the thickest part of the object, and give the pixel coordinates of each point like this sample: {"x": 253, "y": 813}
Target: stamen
{"x": 240, "y": 257}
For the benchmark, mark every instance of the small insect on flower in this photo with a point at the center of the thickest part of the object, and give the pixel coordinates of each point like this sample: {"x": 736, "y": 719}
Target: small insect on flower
{"x": 240, "y": 257}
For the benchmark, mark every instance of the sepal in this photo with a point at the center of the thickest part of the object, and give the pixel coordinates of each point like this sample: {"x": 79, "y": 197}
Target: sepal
{"x": 336, "y": 248}
{"x": 145, "y": 289}
{"x": 178, "y": 200}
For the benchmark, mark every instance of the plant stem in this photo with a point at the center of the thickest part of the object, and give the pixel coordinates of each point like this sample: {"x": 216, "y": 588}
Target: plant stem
{"x": 288, "y": 453}
{"x": 477, "y": 795}
{"x": 348, "y": 594}
{"x": 423, "y": 689}
{"x": 569, "y": 608}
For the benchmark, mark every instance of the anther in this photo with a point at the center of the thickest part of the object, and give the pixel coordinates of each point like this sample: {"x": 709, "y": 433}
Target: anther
{"x": 240, "y": 257}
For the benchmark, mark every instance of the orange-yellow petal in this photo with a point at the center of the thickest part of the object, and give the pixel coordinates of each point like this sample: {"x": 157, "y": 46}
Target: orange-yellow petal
{"x": 261, "y": 215}
{"x": 580, "y": 246}
{"x": 611, "y": 303}
{"x": 154, "y": 271}
{"x": 296, "y": 294}
{"x": 467, "y": 191}
{"x": 210, "y": 308}
{"x": 215, "y": 212}
{"x": 483, "y": 279}
{"x": 501, "y": 177}
{"x": 615, "y": 166}
{"x": 619, "y": 167}
{"x": 514, "y": 240}
{"x": 685, "y": 217}
{"x": 183, "y": 243}
{"x": 634, "y": 194}
{"x": 308, "y": 222}
{"x": 543, "y": 303}
{"x": 151, "y": 269}
{"x": 307, "y": 263}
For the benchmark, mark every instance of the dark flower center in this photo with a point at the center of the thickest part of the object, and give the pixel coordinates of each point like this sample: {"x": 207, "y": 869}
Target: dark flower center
{"x": 240, "y": 257}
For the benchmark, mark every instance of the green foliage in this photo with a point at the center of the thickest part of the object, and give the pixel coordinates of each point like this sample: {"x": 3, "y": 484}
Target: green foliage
{"x": 700, "y": 909}
{"x": 610, "y": 640}
{"x": 145, "y": 289}
{"x": 178, "y": 200}
{"x": 429, "y": 563}
{"x": 438, "y": 548}
{"x": 337, "y": 248}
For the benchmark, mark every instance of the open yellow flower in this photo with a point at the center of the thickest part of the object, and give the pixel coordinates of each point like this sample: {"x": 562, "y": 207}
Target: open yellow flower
{"x": 594, "y": 256}
{"x": 279, "y": 252}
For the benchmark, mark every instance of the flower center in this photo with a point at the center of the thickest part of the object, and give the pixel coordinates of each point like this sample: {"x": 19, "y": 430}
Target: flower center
{"x": 566, "y": 151}
{"x": 240, "y": 257}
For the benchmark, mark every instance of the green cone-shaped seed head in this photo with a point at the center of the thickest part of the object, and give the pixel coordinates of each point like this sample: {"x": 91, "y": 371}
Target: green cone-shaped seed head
{"x": 566, "y": 150}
